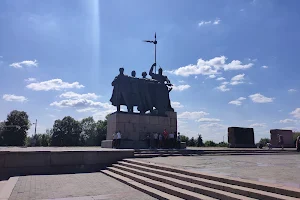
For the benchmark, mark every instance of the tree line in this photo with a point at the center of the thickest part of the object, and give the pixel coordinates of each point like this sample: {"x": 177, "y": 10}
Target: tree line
{"x": 65, "y": 132}
{"x": 198, "y": 142}
{"x": 68, "y": 132}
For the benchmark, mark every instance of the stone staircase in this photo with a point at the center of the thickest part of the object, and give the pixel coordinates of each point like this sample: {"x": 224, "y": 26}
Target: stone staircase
{"x": 164, "y": 182}
{"x": 149, "y": 153}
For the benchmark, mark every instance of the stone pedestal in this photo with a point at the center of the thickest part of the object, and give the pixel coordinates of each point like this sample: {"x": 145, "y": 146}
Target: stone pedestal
{"x": 287, "y": 137}
{"x": 241, "y": 137}
{"x": 134, "y": 127}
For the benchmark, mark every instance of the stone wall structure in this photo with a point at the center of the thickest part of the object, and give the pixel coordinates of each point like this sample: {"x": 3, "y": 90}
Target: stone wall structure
{"x": 58, "y": 161}
{"x": 239, "y": 137}
{"x": 287, "y": 137}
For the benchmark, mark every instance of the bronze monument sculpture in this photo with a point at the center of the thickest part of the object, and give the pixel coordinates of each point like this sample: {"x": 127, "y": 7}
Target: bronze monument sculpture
{"x": 147, "y": 94}
{"x": 150, "y": 97}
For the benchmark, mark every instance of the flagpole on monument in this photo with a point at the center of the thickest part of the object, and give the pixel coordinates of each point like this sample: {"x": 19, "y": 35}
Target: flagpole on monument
{"x": 154, "y": 42}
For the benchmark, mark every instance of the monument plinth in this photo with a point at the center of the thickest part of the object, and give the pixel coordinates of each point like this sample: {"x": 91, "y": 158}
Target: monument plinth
{"x": 134, "y": 127}
{"x": 287, "y": 137}
{"x": 239, "y": 137}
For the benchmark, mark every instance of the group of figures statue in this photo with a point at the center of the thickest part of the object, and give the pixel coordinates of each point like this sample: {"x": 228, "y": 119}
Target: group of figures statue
{"x": 147, "y": 94}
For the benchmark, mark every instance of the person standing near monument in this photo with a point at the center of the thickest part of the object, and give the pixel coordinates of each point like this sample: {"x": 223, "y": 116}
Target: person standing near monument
{"x": 119, "y": 136}
{"x": 155, "y": 137}
{"x": 160, "y": 138}
{"x": 165, "y": 138}
{"x": 171, "y": 140}
{"x": 178, "y": 141}
{"x": 114, "y": 137}
{"x": 298, "y": 143}
{"x": 148, "y": 140}
{"x": 175, "y": 139}
{"x": 280, "y": 141}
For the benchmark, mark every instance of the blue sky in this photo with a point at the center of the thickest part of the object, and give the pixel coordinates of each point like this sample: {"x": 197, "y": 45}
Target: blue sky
{"x": 233, "y": 63}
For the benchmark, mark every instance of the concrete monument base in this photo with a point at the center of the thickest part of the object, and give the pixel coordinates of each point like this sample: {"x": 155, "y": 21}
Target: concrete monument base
{"x": 239, "y": 137}
{"x": 134, "y": 127}
{"x": 287, "y": 138}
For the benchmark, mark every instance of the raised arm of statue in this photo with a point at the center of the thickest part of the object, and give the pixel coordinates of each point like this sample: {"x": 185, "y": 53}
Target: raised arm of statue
{"x": 168, "y": 81}
{"x": 151, "y": 69}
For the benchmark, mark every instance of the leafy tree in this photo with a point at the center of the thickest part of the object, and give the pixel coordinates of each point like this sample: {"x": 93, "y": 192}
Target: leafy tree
{"x": 66, "y": 132}
{"x": 210, "y": 143}
{"x": 200, "y": 141}
{"x": 16, "y": 127}
{"x": 101, "y": 129}
{"x": 264, "y": 141}
{"x": 2, "y": 125}
{"x": 88, "y": 134}
{"x": 222, "y": 144}
{"x": 192, "y": 142}
{"x": 184, "y": 138}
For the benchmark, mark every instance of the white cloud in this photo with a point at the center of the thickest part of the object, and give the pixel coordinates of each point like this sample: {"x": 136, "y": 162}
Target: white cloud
{"x": 54, "y": 84}
{"x": 181, "y": 81}
{"x": 88, "y": 109}
{"x": 285, "y": 121}
{"x": 25, "y": 63}
{"x": 208, "y": 120}
{"x": 196, "y": 77}
{"x": 100, "y": 115}
{"x": 296, "y": 113}
{"x": 214, "y": 126}
{"x": 265, "y": 67}
{"x": 225, "y": 83}
{"x": 238, "y": 101}
{"x": 215, "y": 22}
{"x": 238, "y": 79}
{"x": 30, "y": 80}
{"x": 181, "y": 87}
{"x": 12, "y": 97}
{"x": 80, "y": 103}
{"x": 236, "y": 82}
{"x": 73, "y": 95}
{"x": 209, "y": 67}
{"x": 292, "y": 90}
{"x": 176, "y": 104}
{"x": 204, "y": 23}
{"x": 237, "y": 65}
{"x": 290, "y": 128}
{"x": 192, "y": 115}
{"x": 258, "y": 125}
{"x": 259, "y": 98}
{"x": 212, "y": 76}
{"x": 223, "y": 88}
{"x": 221, "y": 79}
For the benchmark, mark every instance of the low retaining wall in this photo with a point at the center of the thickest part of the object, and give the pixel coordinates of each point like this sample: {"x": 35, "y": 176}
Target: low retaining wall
{"x": 14, "y": 163}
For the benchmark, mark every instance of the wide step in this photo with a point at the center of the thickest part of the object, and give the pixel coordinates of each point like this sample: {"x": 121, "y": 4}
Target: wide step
{"x": 141, "y": 187}
{"x": 244, "y": 191}
{"x": 163, "y": 187}
{"x": 252, "y": 189}
{"x": 215, "y": 193}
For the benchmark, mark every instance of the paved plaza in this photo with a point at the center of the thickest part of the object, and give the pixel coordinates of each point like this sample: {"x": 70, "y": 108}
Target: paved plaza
{"x": 278, "y": 169}
{"x": 85, "y": 186}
